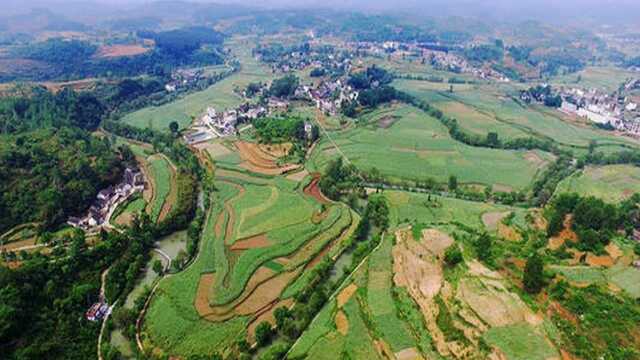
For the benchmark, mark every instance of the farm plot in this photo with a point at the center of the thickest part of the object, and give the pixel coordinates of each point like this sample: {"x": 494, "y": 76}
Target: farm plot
{"x": 406, "y": 207}
{"x": 612, "y": 183}
{"x": 418, "y": 147}
{"x": 460, "y": 311}
{"x": 220, "y": 95}
{"x": 258, "y": 239}
{"x": 494, "y": 102}
{"x": 340, "y": 328}
{"x": 469, "y": 118}
{"x": 164, "y": 187}
{"x": 604, "y": 78}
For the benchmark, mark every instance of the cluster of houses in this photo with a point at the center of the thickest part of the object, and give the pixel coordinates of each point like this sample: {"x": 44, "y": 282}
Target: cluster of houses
{"x": 320, "y": 57}
{"x": 108, "y": 200}
{"x": 439, "y": 56}
{"x": 329, "y": 96}
{"x": 183, "y": 78}
{"x": 214, "y": 124}
{"x": 616, "y": 110}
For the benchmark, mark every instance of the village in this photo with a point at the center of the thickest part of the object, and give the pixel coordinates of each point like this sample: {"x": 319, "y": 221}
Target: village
{"x": 108, "y": 200}
{"x": 328, "y": 96}
{"x": 615, "y": 111}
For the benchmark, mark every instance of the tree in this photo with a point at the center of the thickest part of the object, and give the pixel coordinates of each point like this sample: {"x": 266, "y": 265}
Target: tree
{"x": 157, "y": 267}
{"x": 281, "y": 314}
{"x": 533, "y": 278}
{"x": 263, "y": 333}
{"x": 492, "y": 139}
{"x": 174, "y": 127}
{"x": 483, "y": 246}
{"x": 453, "y": 183}
{"x": 453, "y": 256}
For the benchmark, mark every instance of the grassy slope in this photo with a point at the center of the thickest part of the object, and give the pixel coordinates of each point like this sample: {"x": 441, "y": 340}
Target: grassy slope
{"x": 418, "y": 146}
{"x": 491, "y": 100}
{"x": 611, "y": 183}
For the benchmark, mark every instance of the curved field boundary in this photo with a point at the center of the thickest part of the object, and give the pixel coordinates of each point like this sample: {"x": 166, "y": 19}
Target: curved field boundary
{"x": 245, "y": 266}
{"x": 161, "y": 175}
{"x": 255, "y": 210}
{"x": 172, "y": 196}
{"x": 313, "y": 190}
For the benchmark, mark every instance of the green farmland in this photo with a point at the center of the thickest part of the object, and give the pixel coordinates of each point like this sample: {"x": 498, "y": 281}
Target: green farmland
{"x": 258, "y": 230}
{"x": 221, "y": 96}
{"x": 612, "y": 183}
{"x": 418, "y": 147}
{"x": 162, "y": 174}
{"x": 493, "y": 108}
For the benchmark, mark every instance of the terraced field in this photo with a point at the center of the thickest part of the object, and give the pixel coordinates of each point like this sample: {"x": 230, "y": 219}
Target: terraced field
{"x": 416, "y": 146}
{"x": 405, "y": 304}
{"x": 261, "y": 239}
{"x": 164, "y": 187}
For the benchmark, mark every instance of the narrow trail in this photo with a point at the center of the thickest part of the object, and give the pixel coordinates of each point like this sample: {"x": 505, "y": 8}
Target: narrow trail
{"x": 164, "y": 255}
{"x": 337, "y": 290}
{"x": 103, "y": 279}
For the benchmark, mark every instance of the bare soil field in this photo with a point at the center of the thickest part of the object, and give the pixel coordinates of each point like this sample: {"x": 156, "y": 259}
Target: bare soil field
{"x": 313, "y": 190}
{"x": 254, "y": 242}
{"x": 113, "y": 51}
{"x": 346, "y": 294}
{"x": 408, "y": 354}
{"x": 492, "y": 219}
{"x": 567, "y": 234}
{"x": 256, "y": 159}
{"x": 436, "y": 241}
{"x": 387, "y": 121}
{"x": 342, "y": 323}
{"x": 601, "y": 261}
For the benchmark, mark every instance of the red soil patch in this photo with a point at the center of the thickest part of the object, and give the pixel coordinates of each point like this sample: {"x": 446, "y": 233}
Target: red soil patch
{"x": 202, "y": 294}
{"x": 604, "y": 261}
{"x": 567, "y": 234}
{"x": 254, "y": 242}
{"x": 259, "y": 160}
{"x": 346, "y": 294}
{"x": 556, "y": 308}
{"x": 342, "y": 323}
{"x": 321, "y": 255}
{"x": 313, "y": 190}
{"x": 519, "y": 263}
{"x": 262, "y": 297}
{"x": 113, "y": 51}
{"x": 614, "y": 251}
{"x": 508, "y": 233}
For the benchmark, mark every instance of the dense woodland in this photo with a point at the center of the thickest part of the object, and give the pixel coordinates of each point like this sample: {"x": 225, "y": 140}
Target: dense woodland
{"x": 194, "y": 46}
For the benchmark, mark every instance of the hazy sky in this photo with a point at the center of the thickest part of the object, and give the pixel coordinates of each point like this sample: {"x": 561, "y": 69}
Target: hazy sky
{"x": 553, "y": 10}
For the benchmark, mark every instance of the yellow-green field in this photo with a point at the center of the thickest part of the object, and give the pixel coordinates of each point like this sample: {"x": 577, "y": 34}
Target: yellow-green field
{"x": 220, "y": 95}
{"x": 612, "y": 183}
{"x": 417, "y": 147}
